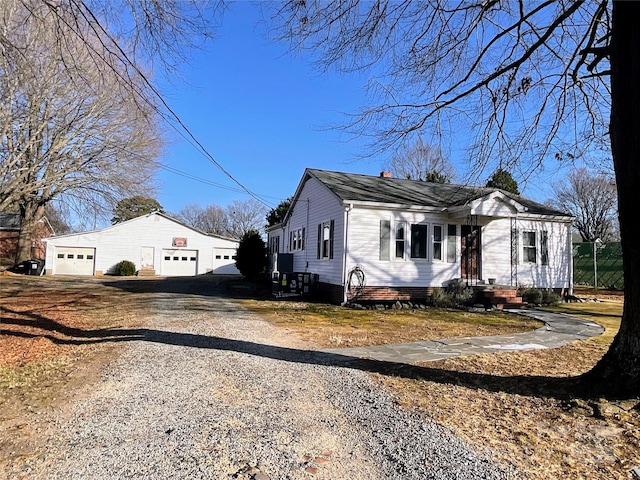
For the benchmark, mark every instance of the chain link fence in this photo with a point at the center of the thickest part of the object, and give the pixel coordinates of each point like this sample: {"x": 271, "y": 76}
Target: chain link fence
{"x": 598, "y": 267}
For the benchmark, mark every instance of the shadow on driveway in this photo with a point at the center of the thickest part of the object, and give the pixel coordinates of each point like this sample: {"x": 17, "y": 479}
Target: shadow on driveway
{"x": 529, "y": 385}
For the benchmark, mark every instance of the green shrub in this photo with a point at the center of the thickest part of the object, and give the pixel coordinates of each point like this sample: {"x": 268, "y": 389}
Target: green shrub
{"x": 549, "y": 297}
{"x": 251, "y": 258}
{"x": 540, "y": 296}
{"x": 532, "y": 295}
{"x": 124, "y": 269}
{"x": 439, "y": 298}
{"x": 454, "y": 295}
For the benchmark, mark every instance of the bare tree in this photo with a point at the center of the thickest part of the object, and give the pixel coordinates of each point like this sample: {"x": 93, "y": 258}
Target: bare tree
{"x": 244, "y": 216}
{"x": 59, "y": 223}
{"x": 210, "y": 219}
{"x": 422, "y": 161}
{"x": 530, "y": 80}
{"x": 238, "y": 218}
{"x": 592, "y": 200}
{"x": 69, "y": 129}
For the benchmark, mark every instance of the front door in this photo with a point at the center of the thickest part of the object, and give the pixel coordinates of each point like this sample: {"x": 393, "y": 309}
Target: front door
{"x": 146, "y": 258}
{"x": 470, "y": 248}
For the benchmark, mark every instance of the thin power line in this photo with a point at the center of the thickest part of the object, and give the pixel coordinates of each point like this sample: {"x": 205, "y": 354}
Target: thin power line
{"x": 173, "y": 116}
{"x": 205, "y": 181}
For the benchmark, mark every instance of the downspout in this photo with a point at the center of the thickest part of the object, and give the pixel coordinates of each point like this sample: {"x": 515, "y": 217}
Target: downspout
{"x": 345, "y": 248}
{"x": 306, "y": 244}
{"x": 570, "y": 249}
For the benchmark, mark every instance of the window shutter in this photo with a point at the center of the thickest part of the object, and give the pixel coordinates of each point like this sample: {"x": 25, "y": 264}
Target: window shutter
{"x": 544, "y": 248}
{"x": 304, "y": 234}
{"x": 331, "y": 228}
{"x": 385, "y": 238}
{"x": 319, "y": 239}
{"x": 290, "y": 241}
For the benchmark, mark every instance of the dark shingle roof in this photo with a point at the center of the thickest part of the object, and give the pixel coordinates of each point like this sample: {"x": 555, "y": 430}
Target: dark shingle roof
{"x": 367, "y": 188}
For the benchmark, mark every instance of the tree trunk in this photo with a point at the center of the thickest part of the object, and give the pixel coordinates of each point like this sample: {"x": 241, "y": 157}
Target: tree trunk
{"x": 619, "y": 370}
{"x": 30, "y": 214}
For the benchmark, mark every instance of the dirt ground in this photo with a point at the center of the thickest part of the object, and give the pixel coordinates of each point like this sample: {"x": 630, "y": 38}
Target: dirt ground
{"x": 516, "y": 404}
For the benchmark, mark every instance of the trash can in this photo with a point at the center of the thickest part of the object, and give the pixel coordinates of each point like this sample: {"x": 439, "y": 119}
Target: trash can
{"x": 28, "y": 267}
{"x": 35, "y": 267}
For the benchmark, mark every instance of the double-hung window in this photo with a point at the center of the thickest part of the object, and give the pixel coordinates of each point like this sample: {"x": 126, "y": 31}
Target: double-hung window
{"x": 296, "y": 239}
{"x": 529, "y": 249}
{"x": 325, "y": 239}
{"x": 401, "y": 228}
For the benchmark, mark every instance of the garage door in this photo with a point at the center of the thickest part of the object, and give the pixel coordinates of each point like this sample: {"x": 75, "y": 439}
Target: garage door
{"x": 74, "y": 261}
{"x": 224, "y": 260}
{"x": 179, "y": 263}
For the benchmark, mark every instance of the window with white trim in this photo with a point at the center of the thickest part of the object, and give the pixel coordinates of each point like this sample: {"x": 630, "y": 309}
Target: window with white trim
{"x": 296, "y": 239}
{"x": 529, "y": 249}
{"x": 401, "y": 228}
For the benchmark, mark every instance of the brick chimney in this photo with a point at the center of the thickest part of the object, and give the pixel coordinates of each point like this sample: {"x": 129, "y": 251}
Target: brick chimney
{"x": 385, "y": 174}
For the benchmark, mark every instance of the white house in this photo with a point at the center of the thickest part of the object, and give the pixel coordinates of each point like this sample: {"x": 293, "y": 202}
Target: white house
{"x": 155, "y": 243}
{"x": 386, "y": 238}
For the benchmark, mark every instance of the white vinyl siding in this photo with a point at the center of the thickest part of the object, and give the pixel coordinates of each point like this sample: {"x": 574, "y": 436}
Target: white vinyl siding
{"x": 402, "y": 270}
{"x": 316, "y": 205}
{"x": 497, "y": 243}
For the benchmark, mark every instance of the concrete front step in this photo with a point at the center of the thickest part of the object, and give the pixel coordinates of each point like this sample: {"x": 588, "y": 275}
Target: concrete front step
{"x": 147, "y": 272}
{"x": 498, "y": 293}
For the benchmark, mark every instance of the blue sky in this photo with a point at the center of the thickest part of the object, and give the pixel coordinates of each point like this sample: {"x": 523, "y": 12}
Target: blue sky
{"x": 262, "y": 114}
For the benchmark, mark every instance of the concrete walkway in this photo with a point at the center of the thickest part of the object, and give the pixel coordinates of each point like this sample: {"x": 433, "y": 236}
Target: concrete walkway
{"x": 559, "y": 329}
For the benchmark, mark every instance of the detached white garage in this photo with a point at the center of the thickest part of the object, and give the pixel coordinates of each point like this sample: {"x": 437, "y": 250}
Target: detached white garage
{"x": 156, "y": 243}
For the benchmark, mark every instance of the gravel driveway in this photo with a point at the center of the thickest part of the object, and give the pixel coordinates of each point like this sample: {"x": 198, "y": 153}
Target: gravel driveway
{"x": 208, "y": 390}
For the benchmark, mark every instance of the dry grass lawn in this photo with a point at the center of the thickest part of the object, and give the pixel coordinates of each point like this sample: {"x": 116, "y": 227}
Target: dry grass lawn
{"x": 517, "y": 405}
{"x": 330, "y": 326}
